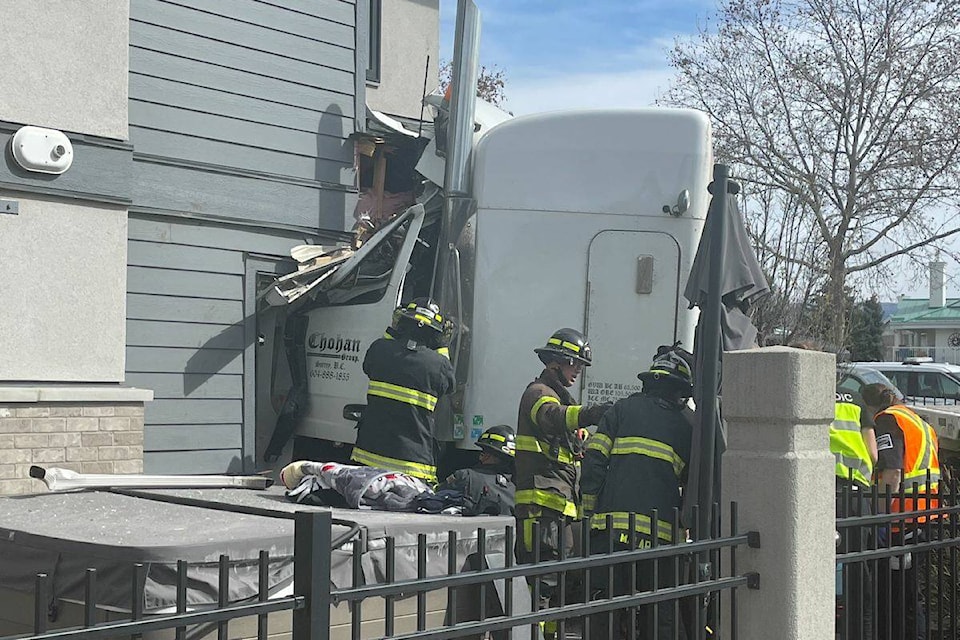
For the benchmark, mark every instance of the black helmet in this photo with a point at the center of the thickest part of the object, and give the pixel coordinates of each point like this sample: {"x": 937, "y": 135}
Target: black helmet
{"x": 419, "y": 313}
{"x": 566, "y": 343}
{"x": 499, "y": 440}
{"x": 671, "y": 364}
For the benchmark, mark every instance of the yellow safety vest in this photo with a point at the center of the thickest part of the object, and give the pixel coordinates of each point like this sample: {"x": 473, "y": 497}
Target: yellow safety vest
{"x": 847, "y": 446}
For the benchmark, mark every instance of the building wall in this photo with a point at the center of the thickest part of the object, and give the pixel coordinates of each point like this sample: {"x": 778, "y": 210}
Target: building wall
{"x": 65, "y": 65}
{"x": 410, "y": 32}
{"x": 240, "y": 117}
{"x": 62, "y": 256}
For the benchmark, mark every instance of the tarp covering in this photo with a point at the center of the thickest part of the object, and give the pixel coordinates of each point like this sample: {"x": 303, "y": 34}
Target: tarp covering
{"x": 742, "y": 281}
{"x": 64, "y": 534}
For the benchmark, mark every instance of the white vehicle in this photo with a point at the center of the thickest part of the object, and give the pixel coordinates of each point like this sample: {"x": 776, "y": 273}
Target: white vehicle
{"x": 922, "y": 380}
{"x": 585, "y": 219}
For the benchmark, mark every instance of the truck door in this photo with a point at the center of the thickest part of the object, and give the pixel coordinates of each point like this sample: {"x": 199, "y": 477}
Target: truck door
{"x": 633, "y": 286}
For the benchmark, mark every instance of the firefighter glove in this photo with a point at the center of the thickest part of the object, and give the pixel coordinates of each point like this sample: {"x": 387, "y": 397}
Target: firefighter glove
{"x": 592, "y": 414}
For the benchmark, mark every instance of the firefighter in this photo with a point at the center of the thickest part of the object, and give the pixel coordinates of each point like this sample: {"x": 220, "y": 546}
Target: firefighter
{"x": 636, "y": 463}
{"x": 488, "y": 487}
{"x": 407, "y": 378}
{"x": 549, "y": 428}
{"x": 907, "y": 458}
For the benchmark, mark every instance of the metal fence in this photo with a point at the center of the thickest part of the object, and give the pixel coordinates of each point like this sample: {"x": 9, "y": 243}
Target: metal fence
{"x": 897, "y": 571}
{"x": 599, "y": 595}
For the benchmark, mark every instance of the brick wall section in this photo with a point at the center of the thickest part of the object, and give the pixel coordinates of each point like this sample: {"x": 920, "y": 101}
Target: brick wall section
{"x": 89, "y": 437}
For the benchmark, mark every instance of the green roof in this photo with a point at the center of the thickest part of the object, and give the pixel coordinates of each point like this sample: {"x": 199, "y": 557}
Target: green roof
{"x": 918, "y": 310}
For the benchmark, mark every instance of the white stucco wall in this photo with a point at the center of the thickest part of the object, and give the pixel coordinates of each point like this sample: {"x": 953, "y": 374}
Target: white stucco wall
{"x": 63, "y": 261}
{"x": 63, "y": 292}
{"x": 410, "y": 32}
{"x": 65, "y": 64}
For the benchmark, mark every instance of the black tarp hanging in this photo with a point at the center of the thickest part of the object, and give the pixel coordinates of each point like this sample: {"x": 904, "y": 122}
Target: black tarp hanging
{"x": 725, "y": 281}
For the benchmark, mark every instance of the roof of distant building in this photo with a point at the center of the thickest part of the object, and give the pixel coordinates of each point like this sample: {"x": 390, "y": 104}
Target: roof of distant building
{"x": 918, "y": 310}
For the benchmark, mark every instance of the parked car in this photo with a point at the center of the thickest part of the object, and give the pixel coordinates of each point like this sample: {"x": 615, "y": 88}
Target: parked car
{"x": 851, "y": 376}
{"x": 922, "y": 380}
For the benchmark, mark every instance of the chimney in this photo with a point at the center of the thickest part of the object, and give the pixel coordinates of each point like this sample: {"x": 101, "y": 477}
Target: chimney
{"x": 937, "y": 294}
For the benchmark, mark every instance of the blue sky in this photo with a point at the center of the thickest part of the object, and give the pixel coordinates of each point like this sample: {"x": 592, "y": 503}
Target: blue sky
{"x": 560, "y": 54}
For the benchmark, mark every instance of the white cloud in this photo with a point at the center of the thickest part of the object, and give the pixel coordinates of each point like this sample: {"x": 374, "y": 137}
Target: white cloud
{"x": 624, "y": 89}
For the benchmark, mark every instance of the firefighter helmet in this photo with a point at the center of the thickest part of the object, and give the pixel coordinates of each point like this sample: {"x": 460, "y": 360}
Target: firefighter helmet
{"x": 419, "y": 313}
{"x": 671, "y": 364}
{"x": 499, "y": 440}
{"x": 566, "y": 344}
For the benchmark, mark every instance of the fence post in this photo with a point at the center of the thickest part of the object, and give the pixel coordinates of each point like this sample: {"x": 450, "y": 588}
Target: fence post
{"x": 778, "y": 403}
{"x": 311, "y": 574}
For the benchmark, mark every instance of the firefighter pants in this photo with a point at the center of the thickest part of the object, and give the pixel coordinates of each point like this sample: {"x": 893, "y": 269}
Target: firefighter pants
{"x": 668, "y": 623}
{"x": 554, "y": 532}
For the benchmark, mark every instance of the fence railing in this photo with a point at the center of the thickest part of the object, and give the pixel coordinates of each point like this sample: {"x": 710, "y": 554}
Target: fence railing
{"x": 897, "y": 571}
{"x": 645, "y": 583}
{"x": 310, "y": 605}
{"x": 947, "y": 355}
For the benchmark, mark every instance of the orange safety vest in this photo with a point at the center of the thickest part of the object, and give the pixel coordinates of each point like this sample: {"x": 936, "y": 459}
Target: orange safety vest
{"x": 920, "y": 456}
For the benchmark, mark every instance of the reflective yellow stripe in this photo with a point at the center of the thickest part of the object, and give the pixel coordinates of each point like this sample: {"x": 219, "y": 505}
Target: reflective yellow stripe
{"x": 648, "y": 447}
{"x": 531, "y": 444}
{"x": 542, "y": 400}
{"x": 924, "y": 461}
{"x": 621, "y": 520}
{"x": 387, "y": 336}
{"x": 600, "y": 442}
{"x": 496, "y": 436}
{"x": 445, "y": 352}
{"x": 528, "y": 533}
{"x": 547, "y": 499}
{"x": 563, "y": 343}
{"x": 402, "y": 394}
{"x": 589, "y": 502}
{"x": 416, "y": 469}
{"x": 572, "y": 417}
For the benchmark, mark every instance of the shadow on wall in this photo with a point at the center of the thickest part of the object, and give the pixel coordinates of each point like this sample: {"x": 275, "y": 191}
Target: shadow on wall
{"x": 213, "y": 355}
{"x": 334, "y": 149}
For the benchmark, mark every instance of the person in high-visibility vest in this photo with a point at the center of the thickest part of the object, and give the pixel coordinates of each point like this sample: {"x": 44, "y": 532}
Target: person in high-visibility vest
{"x": 409, "y": 372}
{"x": 853, "y": 445}
{"x": 907, "y": 457}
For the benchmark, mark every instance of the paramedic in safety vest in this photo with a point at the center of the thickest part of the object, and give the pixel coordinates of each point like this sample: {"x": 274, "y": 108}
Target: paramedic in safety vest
{"x": 549, "y": 429}
{"x": 907, "y": 458}
{"x": 488, "y": 487}
{"x": 407, "y": 377}
{"x": 853, "y": 445}
{"x": 634, "y": 464}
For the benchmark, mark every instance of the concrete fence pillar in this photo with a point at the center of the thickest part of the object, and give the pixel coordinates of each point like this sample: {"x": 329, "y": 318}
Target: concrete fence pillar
{"x": 778, "y": 403}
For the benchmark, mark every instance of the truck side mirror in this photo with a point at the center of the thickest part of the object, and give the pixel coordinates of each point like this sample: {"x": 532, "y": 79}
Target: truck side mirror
{"x": 353, "y": 411}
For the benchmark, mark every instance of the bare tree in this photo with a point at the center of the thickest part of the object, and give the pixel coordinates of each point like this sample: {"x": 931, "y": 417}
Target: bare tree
{"x": 849, "y": 111}
{"x": 491, "y": 82}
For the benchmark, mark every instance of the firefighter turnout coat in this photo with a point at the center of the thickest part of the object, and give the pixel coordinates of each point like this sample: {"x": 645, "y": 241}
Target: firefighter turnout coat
{"x": 487, "y": 489}
{"x": 396, "y": 431}
{"x": 546, "y": 472}
{"x": 637, "y": 462}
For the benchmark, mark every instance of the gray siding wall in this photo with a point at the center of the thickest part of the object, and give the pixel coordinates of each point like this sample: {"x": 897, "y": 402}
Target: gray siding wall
{"x": 240, "y": 114}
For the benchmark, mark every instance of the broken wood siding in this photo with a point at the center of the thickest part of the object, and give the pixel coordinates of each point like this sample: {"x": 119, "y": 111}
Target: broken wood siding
{"x": 240, "y": 114}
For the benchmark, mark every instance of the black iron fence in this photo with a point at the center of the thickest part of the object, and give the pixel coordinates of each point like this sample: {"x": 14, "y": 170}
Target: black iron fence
{"x": 637, "y": 580}
{"x": 898, "y": 563}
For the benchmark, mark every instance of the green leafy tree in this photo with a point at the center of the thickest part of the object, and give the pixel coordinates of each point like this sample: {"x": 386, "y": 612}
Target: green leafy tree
{"x": 866, "y": 331}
